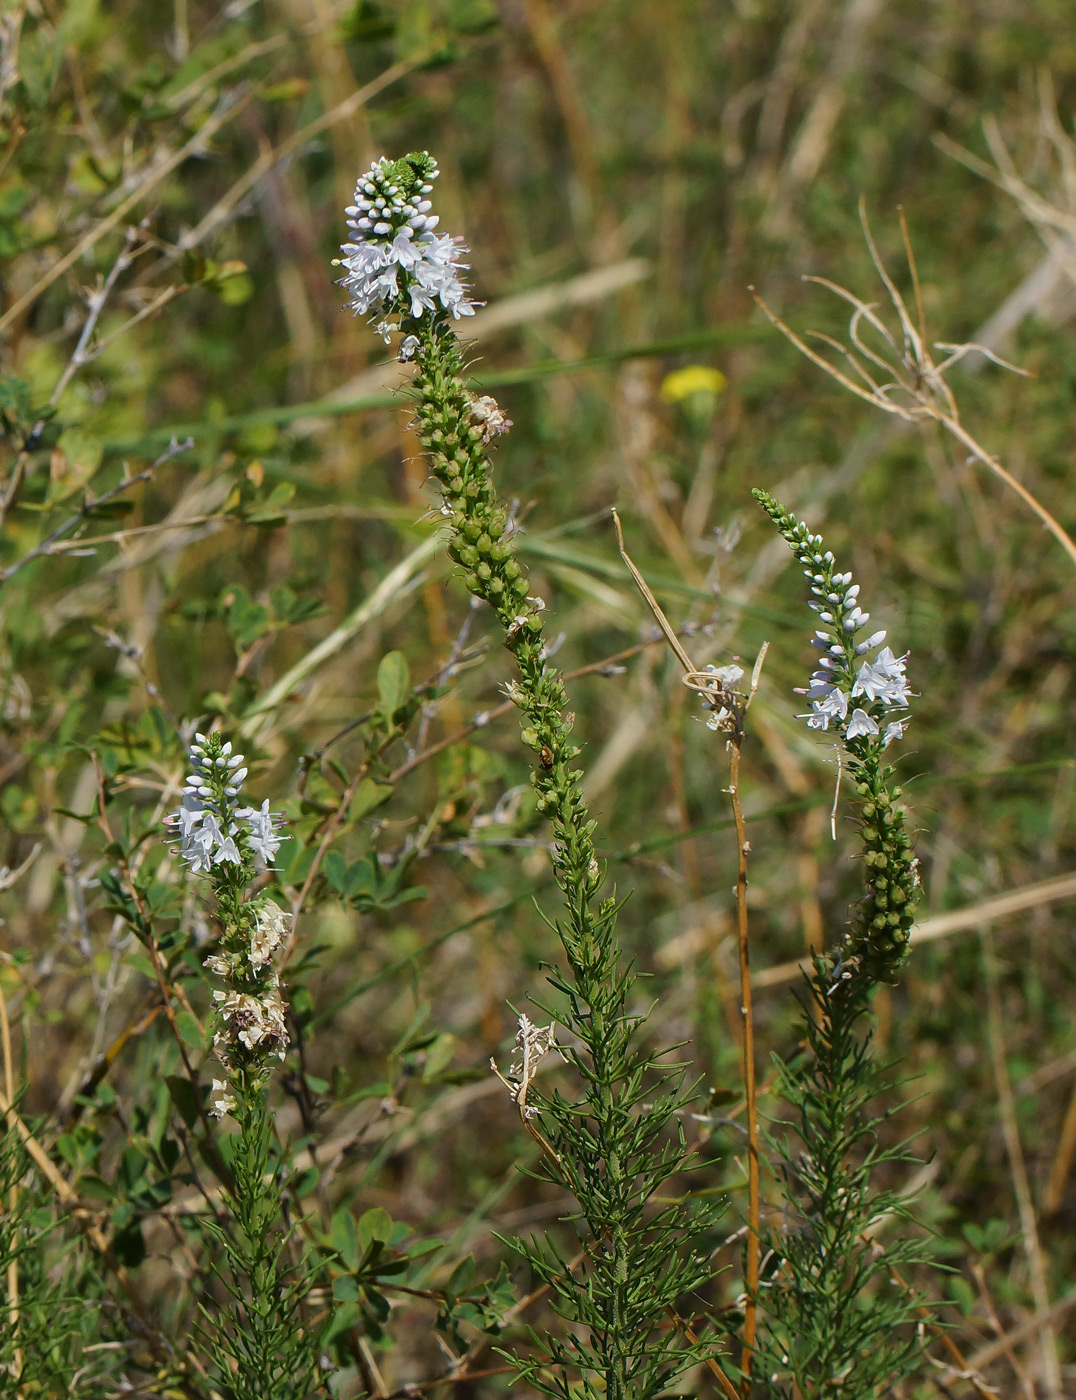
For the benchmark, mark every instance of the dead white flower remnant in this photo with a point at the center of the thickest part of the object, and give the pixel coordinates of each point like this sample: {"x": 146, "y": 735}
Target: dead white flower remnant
{"x": 533, "y": 1044}
{"x": 717, "y": 686}
{"x": 271, "y": 927}
{"x": 251, "y": 1015}
{"x": 487, "y": 414}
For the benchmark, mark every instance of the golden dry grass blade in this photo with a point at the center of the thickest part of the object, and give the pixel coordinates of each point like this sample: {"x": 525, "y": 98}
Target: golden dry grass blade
{"x": 1003, "y": 906}
{"x": 653, "y": 604}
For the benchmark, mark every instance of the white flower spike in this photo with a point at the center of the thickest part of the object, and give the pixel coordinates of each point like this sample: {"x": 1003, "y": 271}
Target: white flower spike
{"x": 397, "y": 264}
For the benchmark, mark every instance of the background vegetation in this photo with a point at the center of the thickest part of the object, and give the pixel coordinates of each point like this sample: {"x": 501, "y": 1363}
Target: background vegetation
{"x": 623, "y": 172}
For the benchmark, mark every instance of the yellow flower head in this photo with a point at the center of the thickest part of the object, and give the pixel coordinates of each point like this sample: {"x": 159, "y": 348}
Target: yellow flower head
{"x": 684, "y": 383}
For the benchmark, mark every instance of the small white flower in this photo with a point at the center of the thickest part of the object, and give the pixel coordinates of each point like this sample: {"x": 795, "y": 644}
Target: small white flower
{"x": 262, "y": 831}
{"x": 728, "y": 675}
{"x": 222, "y": 1100}
{"x": 228, "y": 851}
{"x": 860, "y": 723}
{"x": 884, "y": 680}
{"x": 423, "y": 298}
{"x": 834, "y": 706}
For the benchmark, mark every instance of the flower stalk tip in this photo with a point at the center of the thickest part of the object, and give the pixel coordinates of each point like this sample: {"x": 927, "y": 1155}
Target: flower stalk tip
{"x": 395, "y": 263}
{"x": 866, "y": 702}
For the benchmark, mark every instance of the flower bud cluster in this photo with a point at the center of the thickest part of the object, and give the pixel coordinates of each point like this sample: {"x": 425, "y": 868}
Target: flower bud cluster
{"x": 878, "y": 940}
{"x": 397, "y": 263}
{"x": 453, "y": 427}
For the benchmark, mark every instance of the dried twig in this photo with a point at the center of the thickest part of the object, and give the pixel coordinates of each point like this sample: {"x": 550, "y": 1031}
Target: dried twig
{"x": 13, "y": 1197}
{"x": 902, "y": 378}
{"x": 158, "y": 170}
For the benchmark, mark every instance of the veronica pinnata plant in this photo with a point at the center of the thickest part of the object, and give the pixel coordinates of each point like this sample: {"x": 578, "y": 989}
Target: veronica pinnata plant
{"x": 838, "y": 1322}
{"x": 618, "y": 1140}
{"x": 263, "y": 1349}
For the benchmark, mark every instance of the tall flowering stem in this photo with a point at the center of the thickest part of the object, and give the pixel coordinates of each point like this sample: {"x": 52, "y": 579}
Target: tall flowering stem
{"x": 620, "y": 1140}
{"x": 834, "y": 1324}
{"x": 265, "y": 1351}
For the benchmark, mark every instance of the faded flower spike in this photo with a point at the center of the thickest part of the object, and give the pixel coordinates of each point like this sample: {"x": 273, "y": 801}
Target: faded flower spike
{"x": 397, "y": 264}
{"x": 250, "y": 1008}
{"x": 865, "y": 702}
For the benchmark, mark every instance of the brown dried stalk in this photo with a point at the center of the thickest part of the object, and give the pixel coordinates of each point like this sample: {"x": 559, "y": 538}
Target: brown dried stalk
{"x": 731, "y": 710}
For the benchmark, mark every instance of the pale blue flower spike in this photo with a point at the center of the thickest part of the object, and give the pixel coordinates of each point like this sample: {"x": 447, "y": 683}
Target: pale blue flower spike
{"x": 394, "y": 236}
{"x": 837, "y": 681}
{"x": 206, "y": 835}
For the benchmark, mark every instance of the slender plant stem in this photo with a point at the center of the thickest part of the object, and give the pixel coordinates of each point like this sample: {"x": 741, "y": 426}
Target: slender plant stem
{"x": 748, "y": 1048}
{"x": 13, "y": 1200}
